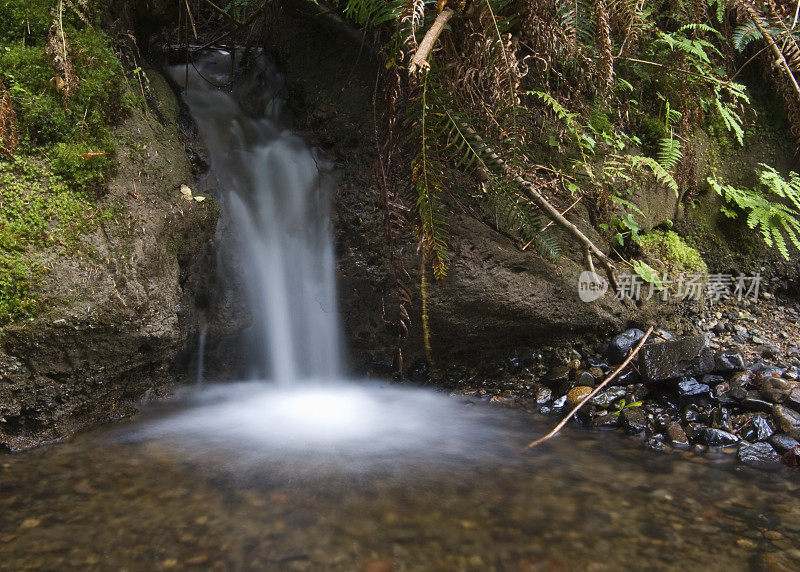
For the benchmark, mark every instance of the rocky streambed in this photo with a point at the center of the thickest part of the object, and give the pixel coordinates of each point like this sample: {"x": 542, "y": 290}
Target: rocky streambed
{"x": 732, "y": 388}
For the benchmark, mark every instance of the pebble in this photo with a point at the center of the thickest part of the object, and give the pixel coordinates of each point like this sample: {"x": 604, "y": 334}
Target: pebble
{"x": 577, "y": 394}
{"x": 717, "y": 437}
{"x": 783, "y": 443}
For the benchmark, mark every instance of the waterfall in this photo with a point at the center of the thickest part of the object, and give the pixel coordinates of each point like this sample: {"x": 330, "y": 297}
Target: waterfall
{"x": 276, "y": 192}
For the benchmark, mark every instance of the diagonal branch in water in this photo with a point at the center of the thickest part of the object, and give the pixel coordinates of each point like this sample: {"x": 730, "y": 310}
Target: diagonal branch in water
{"x": 589, "y": 397}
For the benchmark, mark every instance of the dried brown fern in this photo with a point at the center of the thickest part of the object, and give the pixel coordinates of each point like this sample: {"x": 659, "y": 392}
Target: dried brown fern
{"x": 603, "y": 41}
{"x": 8, "y": 133}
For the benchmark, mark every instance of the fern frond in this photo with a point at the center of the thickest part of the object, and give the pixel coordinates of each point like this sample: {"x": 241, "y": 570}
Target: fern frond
{"x": 669, "y": 152}
{"x": 776, "y": 222}
{"x": 659, "y": 172}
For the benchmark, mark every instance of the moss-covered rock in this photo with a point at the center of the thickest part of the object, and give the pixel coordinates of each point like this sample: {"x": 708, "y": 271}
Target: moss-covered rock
{"x": 671, "y": 251}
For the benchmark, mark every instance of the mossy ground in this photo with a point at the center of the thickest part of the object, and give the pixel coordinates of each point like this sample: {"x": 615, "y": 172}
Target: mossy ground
{"x": 52, "y": 181}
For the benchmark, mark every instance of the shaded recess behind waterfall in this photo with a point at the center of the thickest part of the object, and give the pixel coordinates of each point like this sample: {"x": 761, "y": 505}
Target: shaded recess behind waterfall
{"x": 274, "y": 192}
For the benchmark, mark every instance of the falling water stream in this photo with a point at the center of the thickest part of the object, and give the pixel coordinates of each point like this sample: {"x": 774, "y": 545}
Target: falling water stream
{"x": 298, "y": 468}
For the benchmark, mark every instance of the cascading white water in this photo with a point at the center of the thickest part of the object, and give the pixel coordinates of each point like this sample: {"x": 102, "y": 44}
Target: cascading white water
{"x": 275, "y": 195}
{"x": 276, "y": 191}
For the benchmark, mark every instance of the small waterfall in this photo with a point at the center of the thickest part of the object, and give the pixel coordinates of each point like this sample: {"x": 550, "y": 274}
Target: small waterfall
{"x": 201, "y": 354}
{"x": 276, "y": 192}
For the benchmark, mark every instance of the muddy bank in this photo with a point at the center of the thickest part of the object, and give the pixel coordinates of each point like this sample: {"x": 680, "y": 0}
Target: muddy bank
{"x": 119, "y": 308}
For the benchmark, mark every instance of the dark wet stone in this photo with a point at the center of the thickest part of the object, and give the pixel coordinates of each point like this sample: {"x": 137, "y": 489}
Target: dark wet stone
{"x": 720, "y": 419}
{"x": 717, "y": 437}
{"x": 541, "y": 393}
{"x": 676, "y": 358}
{"x": 621, "y": 344}
{"x": 689, "y": 387}
{"x": 639, "y": 391}
{"x": 629, "y": 377}
{"x": 754, "y": 403}
{"x": 712, "y": 380}
{"x": 783, "y": 442}
{"x": 760, "y": 455}
{"x": 777, "y": 389}
{"x": 634, "y": 420}
{"x": 699, "y": 449}
{"x": 656, "y": 443}
{"x": 693, "y": 414}
{"x": 558, "y": 373}
{"x": 677, "y": 436}
{"x": 594, "y": 362}
{"x": 695, "y": 430}
{"x": 737, "y": 392}
{"x": 514, "y": 365}
{"x": 726, "y": 362}
{"x": 586, "y": 378}
{"x": 791, "y": 373}
{"x": 606, "y": 398}
{"x": 607, "y": 420}
{"x": 788, "y": 420}
{"x": 559, "y": 403}
{"x": 793, "y": 399}
{"x": 764, "y": 429}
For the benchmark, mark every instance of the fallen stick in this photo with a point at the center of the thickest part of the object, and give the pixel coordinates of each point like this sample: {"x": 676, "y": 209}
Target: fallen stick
{"x": 589, "y": 397}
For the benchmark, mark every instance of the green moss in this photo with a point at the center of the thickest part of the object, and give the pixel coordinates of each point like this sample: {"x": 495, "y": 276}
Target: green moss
{"x": 599, "y": 120}
{"x": 672, "y": 251}
{"x": 38, "y": 211}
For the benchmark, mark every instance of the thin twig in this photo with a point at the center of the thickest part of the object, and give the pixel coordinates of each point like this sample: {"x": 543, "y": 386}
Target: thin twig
{"x": 549, "y": 224}
{"x": 589, "y": 397}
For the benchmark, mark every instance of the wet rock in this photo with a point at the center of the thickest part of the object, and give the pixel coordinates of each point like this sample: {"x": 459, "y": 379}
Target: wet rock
{"x": 717, "y": 437}
{"x": 689, "y": 387}
{"x": 541, "y": 393}
{"x": 720, "y": 419}
{"x": 621, "y": 344}
{"x": 788, "y": 420}
{"x": 783, "y": 442}
{"x": 677, "y": 358}
{"x": 559, "y": 403}
{"x": 606, "y": 398}
{"x": 634, "y": 420}
{"x": 699, "y": 449}
{"x": 577, "y": 394}
{"x": 727, "y": 362}
{"x": 760, "y": 455}
{"x": 793, "y": 399}
{"x": 693, "y": 414}
{"x": 677, "y": 436}
{"x": 559, "y": 373}
{"x": 776, "y": 389}
{"x": 656, "y": 443}
{"x": 607, "y": 420}
{"x": 586, "y": 378}
{"x": 762, "y": 429}
{"x": 754, "y": 403}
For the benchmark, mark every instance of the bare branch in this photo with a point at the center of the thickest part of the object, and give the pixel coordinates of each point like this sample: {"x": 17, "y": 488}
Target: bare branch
{"x": 420, "y": 59}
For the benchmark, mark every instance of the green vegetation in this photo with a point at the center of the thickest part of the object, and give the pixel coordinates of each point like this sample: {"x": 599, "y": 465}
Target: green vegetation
{"x": 38, "y": 210}
{"x": 628, "y": 83}
{"x": 777, "y": 222}
{"x": 63, "y": 90}
{"x": 671, "y": 251}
